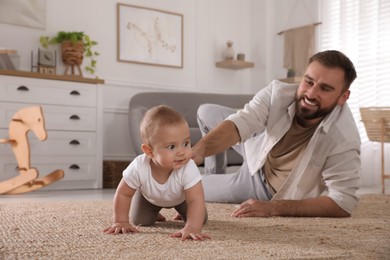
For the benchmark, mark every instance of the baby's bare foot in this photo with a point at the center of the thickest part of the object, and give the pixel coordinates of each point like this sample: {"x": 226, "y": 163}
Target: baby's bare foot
{"x": 177, "y": 217}
{"x": 161, "y": 218}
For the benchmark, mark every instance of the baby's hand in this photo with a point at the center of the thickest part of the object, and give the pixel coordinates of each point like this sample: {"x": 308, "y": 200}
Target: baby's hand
{"x": 117, "y": 228}
{"x": 191, "y": 234}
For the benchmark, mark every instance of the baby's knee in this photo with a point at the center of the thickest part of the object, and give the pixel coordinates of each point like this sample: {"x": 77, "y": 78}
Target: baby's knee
{"x": 139, "y": 219}
{"x": 143, "y": 222}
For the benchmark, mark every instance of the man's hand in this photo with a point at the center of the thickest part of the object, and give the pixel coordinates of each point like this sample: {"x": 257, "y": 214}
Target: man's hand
{"x": 253, "y": 208}
{"x": 314, "y": 207}
{"x": 197, "y": 156}
{"x": 222, "y": 137}
{"x": 121, "y": 228}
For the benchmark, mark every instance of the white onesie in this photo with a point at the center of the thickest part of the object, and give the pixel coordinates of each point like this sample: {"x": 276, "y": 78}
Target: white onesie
{"x": 138, "y": 175}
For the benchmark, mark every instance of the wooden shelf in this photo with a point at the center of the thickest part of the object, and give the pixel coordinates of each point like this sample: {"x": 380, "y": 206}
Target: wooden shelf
{"x": 21, "y": 73}
{"x": 234, "y": 64}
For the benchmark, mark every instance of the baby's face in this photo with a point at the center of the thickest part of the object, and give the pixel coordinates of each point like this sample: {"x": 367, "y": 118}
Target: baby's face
{"x": 172, "y": 146}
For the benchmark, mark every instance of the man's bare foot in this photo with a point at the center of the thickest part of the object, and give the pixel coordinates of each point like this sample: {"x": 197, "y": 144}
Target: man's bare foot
{"x": 177, "y": 217}
{"x": 161, "y": 218}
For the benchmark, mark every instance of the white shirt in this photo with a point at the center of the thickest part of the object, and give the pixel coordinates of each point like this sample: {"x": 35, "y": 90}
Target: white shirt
{"x": 329, "y": 165}
{"x": 138, "y": 175}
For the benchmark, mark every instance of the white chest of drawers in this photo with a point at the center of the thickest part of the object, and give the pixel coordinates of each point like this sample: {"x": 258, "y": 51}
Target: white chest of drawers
{"x": 73, "y": 118}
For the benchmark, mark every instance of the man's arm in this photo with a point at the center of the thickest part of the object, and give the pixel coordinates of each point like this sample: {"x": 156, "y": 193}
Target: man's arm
{"x": 316, "y": 207}
{"x": 224, "y": 136}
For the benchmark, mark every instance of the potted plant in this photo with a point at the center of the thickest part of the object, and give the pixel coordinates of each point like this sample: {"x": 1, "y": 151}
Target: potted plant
{"x": 290, "y": 73}
{"x": 74, "y": 46}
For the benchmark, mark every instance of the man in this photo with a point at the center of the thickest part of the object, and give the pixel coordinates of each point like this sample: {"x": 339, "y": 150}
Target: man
{"x": 300, "y": 145}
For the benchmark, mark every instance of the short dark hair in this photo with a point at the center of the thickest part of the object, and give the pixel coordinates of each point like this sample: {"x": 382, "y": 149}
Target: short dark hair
{"x": 337, "y": 59}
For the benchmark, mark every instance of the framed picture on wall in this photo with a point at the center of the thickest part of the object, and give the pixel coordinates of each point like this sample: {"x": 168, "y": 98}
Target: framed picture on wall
{"x": 149, "y": 36}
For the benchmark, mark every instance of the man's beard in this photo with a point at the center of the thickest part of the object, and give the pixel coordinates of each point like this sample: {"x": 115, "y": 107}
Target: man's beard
{"x": 305, "y": 114}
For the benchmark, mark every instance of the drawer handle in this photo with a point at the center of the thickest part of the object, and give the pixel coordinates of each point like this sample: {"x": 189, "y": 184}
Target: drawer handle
{"x": 74, "y": 142}
{"x": 74, "y": 167}
{"x": 74, "y": 117}
{"x": 23, "y": 88}
{"x": 75, "y": 93}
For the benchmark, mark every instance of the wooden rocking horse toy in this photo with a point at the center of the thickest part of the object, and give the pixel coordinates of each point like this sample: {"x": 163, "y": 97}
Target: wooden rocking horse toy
{"x": 26, "y": 119}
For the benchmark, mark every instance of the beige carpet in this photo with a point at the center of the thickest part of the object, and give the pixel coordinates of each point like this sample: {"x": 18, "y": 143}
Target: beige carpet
{"x": 73, "y": 230}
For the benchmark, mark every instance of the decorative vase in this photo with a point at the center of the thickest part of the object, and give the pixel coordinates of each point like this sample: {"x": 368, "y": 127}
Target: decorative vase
{"x": 229, "y": 51}
{"x": 72, "y": 55}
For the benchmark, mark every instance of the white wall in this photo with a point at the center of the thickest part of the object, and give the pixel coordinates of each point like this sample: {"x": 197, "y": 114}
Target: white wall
{"x": 283, "y": 15}
{"x": 251, "y": 24}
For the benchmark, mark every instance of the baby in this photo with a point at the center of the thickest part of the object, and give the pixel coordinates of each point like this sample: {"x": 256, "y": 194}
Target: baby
{"x": 163, "y": 177}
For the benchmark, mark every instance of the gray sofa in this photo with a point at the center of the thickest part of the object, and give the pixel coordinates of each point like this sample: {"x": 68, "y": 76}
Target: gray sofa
{"x": 187, "y": 104}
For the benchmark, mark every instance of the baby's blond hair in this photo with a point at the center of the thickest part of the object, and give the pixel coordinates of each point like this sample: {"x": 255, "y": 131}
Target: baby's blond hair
{"x": 156, "y": 117}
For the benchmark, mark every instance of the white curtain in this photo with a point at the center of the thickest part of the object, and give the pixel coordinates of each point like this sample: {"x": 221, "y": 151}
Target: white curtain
{"x": 361, "y": 30}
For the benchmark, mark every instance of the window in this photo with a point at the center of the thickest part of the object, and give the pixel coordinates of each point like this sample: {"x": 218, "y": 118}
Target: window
{"x": 361, "y": 30}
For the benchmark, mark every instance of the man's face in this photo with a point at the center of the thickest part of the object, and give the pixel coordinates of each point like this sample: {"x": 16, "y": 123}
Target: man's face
{"x": 320, "y": 90}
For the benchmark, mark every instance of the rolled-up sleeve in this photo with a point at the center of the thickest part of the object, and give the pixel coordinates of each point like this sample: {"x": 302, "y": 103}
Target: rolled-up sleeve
{"x": 342, "y": 179}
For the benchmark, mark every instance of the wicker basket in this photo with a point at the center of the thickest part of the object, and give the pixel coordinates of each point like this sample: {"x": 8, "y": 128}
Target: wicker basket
{"x": 377, "y": 123}
{"x": 112, "y": 173}
{"x": 72, "y": 55}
